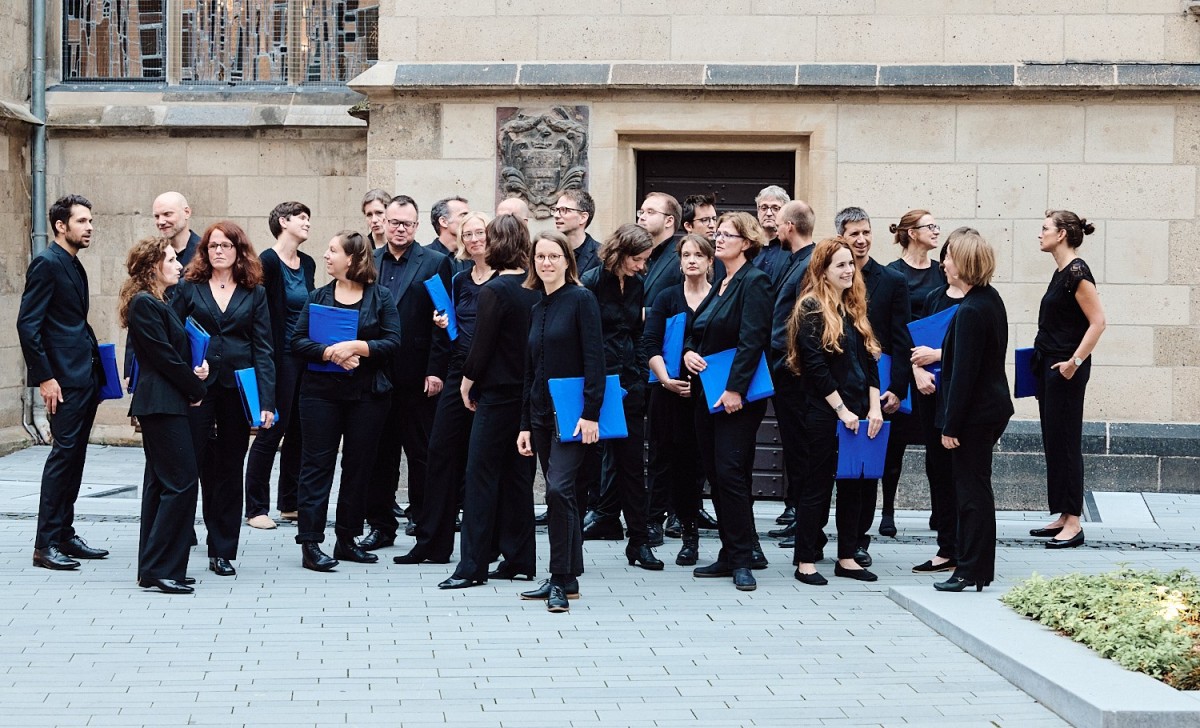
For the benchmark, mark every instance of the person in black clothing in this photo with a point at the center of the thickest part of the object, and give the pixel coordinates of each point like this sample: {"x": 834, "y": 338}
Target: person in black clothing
{"x": 447, "y": 216}
{"x": 498, "y": 497}
{"x": 832, "y": 348}
{"x": 573, "y": 213}
{"x": 563, "y": 330}
{"x": 674, "y": 456}
{"x": 735, "y": 315}
{"x": 773, "y": 259}
{"x": 452, "y": 423}
{"x": 63, "y": 360}
{"x": 618, "y": 290}
{"x": 374, "y": 209}
{"x": 344, "y": 407}
{"x": 917, "y": 234}
{"x": 417, "y": 372}
{"x": 1070, "y": 322}
{"x": 288, "y": 279}
{"x": 887, "y": 308}
{"x": 221, "y": 292}
{"x": 938, "y": 462}
{"x": 167, "y": 385}
{"x": 974, "y": 403}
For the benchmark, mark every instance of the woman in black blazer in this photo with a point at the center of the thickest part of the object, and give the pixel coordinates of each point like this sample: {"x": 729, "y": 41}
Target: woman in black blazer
{"x": 221, "y": 293}
{"x": 346, "y": 406}
{"x": 674, "y": 458}
{"x": 974, "y": 403}
{"x": 564, "y": 331}
{"x": 288, "y": 279}
{"x": 618, "y": 290}
{"x": 832, "y": 348}
{"x": 167, "y": 385}
{"x": 735, "y": 315}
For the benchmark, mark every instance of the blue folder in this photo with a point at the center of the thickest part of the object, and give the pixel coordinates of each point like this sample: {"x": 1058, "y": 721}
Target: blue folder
{"x": 328, "y": 325}
{"x": 247, "y": 383}
{"x": 135, "y": 372}
{"x": 858, "y": 455}
{"x": 672, "y": 352}
{"x": 1025, "y": 384}
{"x": 885, "y": 380}
{"x": 567, "y": 396}
{"x": 715, "y": 377}
{"x": 111, "y": 389}
{"x": 443, "y": 304}
{"x": 198, "y": 338}
{"x": 931, "y": 330}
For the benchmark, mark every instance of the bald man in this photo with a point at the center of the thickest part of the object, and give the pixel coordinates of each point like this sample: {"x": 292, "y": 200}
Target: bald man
{"x": 171, "y": 217}
{"x": 514, "y": 206}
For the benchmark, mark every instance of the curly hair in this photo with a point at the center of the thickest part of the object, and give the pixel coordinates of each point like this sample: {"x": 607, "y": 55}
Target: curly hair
{"x": 142, "y": 263}
{"x": 830, "y": 304}
{"x": 247, "y": 270}
{"x": 627, "y": 241}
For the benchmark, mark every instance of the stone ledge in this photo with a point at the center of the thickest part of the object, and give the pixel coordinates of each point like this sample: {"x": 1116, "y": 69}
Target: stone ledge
{"x": 1085, "y": 689}
{"x": 64, "y": 115}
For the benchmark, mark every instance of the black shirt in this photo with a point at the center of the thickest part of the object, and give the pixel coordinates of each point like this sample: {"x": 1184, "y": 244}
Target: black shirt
{"x": 391, "y": 272}
{"x": 772, "y": 259}
{"x": 466, "y": 304}
{"x": 496, "y": 362}
{"x": 851, "y": 373}
{"x": 1061, "y": 322}
{"x": 564, "y": 331}
{"x": 920, "y": 282}
{"x": 621, "y": 324}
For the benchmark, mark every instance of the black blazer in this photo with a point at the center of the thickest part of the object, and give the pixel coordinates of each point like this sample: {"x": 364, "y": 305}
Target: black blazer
{"x": 889, "y": 312}
{"x": 277, "y": 295}
{"x": 974, "y": 387}
{"x": 662, "y": 271}
{"x": 241, "y": 335}
{"x": 378, "y": 325}
{"x": 166, "y": 382}
{"x": 425, "y": 348}
{"x": 587, "y": 255}
{"x": 56, "y": 339}
{"x": 621, "y": 323}
{"x": 851, "y": 372}
{"x": 790, "y": 285}
{"x": 564, "y": 341}
{"x": 741, "y": 318}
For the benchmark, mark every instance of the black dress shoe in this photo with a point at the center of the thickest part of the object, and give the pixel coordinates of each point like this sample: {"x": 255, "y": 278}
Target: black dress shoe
{"x": 542, "y": 519}
{"x": 758, "y": 560}
{"x": 862, "y": 557}
{"x": 399, "y": 513}
{"x": 887, "y": 525}
{"x": 786, "y": 532}
{"x": 813, "y": 579}
{"x": 644, "y": 558}
{"x": 654, "y": 534}
{"x": 674, "y": 527}
{"x": 51, "y": 558}
{"x": 788, "y": 543}
{"x": 1070, "y": 543}
{"x": 743, "y": 580}
{"x": 787, "y": 517}
{"x": 376, "y": 539}
{"x": 603, "y": 529}
{"x": 80, "y": 550}
{"x": 312, "y": 557}
{"x": 410, "y": 529}
{"x": 859, "y": 574}
{"x": 957, "y": 584}
{"x": 706, "y": 520}
{"x": 456, "y": 583}
{"x": 716, "y": 569}
{"x": 166, "y": 586}
{"x": 1045, "y": 532}
{"x": 931, "y": 568}
{"x": 346, "y": 549}
{"x": 221, "y": 567}
{"x": 414, "y": 557}
{"x": 189, "y": 580}
{"x": 503, "y": 572}
{"x": 458, "y": 523}
{"x": 543, "y": 591}
{"x": 556, "y": 601}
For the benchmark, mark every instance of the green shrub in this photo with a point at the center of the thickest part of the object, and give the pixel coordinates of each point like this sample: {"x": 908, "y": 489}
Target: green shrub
{"x": 1147, "y": 621}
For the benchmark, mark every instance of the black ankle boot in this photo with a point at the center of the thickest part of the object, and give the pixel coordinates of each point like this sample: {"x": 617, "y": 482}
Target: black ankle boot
{"x": 690, "y": 551}
{"x": 347, "y": 549}
{"x": 312, "y": 557}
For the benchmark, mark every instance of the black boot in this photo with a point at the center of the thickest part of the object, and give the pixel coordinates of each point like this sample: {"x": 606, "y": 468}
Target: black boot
{"x": 690, "y": 551}
{"x": 347, "y": 549}
{"x": 314, "y": 558}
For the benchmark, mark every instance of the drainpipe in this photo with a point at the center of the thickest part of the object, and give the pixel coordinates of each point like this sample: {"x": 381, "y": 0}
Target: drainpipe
{"x": 34, "y": 409}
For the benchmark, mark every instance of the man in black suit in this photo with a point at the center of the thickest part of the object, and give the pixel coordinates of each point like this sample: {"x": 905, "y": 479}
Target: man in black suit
{"x": 772, "y": 259}
{"x": 417, "y": 372}
{"x": 659, "y": 215}
{"x": 63, "y": 358}
{"x": 889, "y": 312}
{"x": 446, "y": 214}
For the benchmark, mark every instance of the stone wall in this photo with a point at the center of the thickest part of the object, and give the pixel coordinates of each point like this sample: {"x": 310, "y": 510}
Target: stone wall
{"x": 14, "y": 208}
{"x": 14, "y": 52}
{"x": 755, "y": 31}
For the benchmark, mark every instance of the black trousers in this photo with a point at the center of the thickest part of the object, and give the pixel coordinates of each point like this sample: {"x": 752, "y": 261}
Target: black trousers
{"x": 593, "y": 493}
{"x": 355, "y": 425}
{"x": 498, "y": 499}
{"x": 168, "y": 498}
{"x": 63, "y": 472}
{"x": 1060, "y": 405}
{"x": 561, "y": 463}
{"x": 623, "y": 462}
{"x": 406, "y": 429}
{"x": 675, "y": 474}
{"x": 447, "y": 463}
{"x": 789, "y": 412}
{"x": 940, "y": 474}
{"x": 812, "y": 510}
{"x": 221, "y": 459}
{"x": 902, "y": 428}
{"x": 727, "y": 444}
{"x": 266, "y": 443}
{"x": 972, "y": 464}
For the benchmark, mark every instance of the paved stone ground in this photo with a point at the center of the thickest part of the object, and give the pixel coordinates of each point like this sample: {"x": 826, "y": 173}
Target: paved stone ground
{"x": 381, "y": 645}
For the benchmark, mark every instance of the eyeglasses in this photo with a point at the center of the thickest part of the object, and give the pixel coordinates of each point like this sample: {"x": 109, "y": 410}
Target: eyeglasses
{"x": 933, "y": 227}
{"x": 475, "y": 235}
{"x": 649, "y": 211}
{"x": 548, "y": 257}
{"x": 220, "y": 246}
{"x": 731, "y": 236}
{"x": 770, "y": 208}
{"x": 564, "y": 210}
{"x": 705, "y": 220}
{"x": 407, "y": 225}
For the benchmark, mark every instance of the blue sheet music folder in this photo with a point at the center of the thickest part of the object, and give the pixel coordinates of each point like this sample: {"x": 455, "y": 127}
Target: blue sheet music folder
{"x": 567, "y": 396}
{"x": 328, "y": 325}
{"x": 443, "y": 304}
{"x": 858, "y": 455}
{"x": 672, "y": 352}
{"x": 716, "y": 375}
{"x": 198, "y": 338}
{"x": 111, "y": 389}
{"x": 1025, "y": 383}
{"x": 885, "y": 380}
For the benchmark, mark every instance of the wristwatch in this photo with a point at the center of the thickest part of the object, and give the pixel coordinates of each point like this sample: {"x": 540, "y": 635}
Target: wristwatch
{"x": 1078, "y": 362}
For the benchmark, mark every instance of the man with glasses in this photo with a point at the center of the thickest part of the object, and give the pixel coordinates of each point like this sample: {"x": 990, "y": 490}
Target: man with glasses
{"x": 446, "y": 215}
{"x": 572, "y": 214}
{"x": 659, "y": 215}
{"x": 700, "y": 215}
{"x": 417, "y": 371}
{"x": 772, "y": 259}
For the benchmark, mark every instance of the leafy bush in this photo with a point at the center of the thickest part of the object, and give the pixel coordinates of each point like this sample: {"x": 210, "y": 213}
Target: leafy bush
{"x": 1147, "y": 621}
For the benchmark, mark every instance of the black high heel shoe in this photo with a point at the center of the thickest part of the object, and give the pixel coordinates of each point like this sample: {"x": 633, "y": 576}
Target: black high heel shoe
{"x": 642, "y": 556}
{"x": 957, "y": 584}
{"x": 501, "y": 572}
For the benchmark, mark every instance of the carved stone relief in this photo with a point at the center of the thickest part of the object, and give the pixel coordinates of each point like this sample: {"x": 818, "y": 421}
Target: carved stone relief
{"x": 540, "y": 153}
